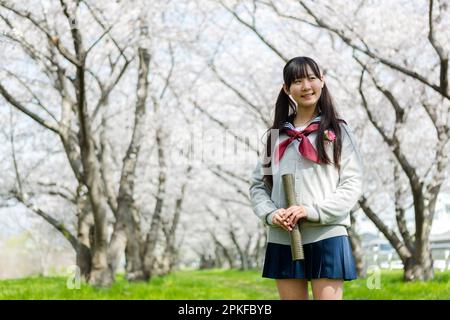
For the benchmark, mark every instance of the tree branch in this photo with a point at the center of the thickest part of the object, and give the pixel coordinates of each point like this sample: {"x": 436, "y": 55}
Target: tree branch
{"x": 253, "y": 28}
{"x": 55, "y": 40}
{"x": 398, "y": 245}
{"x": 35, "y": 97}
{"x": 322, "y": 24}
{"x": 443, "y": 78}
{"x": 252, "y": 106}
{"x": 8, "y": 97}
{"x": 223, "y": 125}
{"x": 52, "y": 221}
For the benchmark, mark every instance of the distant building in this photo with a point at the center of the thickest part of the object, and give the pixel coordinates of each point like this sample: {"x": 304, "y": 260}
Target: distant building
{"x": 379, "y": 251}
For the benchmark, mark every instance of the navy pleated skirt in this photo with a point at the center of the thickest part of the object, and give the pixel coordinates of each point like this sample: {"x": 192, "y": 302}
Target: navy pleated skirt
{"x": 329, "y": 258}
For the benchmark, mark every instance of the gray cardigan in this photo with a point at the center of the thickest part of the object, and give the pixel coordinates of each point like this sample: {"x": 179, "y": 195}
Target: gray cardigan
{"x": 327, "y": 194}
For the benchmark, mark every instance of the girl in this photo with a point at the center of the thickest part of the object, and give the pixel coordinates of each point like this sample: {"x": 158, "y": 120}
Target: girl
{"x": 308, "y": 140}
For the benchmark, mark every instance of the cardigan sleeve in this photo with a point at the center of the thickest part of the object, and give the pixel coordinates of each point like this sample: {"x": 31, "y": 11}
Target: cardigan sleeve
{"x": 336, "y": 207}
{"x": 261, "y": 201}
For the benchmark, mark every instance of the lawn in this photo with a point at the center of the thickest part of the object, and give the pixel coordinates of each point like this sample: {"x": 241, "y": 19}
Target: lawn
{"x": 219, "y": 284}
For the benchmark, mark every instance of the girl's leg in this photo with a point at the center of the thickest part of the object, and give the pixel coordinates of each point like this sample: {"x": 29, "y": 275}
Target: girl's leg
{"x": 327, "y": 289}
{"x": 292, "y": 289}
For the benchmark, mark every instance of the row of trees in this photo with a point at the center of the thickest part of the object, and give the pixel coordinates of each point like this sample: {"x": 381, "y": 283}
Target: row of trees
{"x": 82, "y": 61}
{"x": 100, "y": 96}
{"x": 118, "y": 86}
{"x": 417, "y": 175}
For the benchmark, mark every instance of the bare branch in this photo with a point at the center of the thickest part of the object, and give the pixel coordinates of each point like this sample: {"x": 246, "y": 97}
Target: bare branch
{"x": 55, "y": 40}
{"x": 8, "y": 97}
{"x": 35, "y": 97}
{"x": 52, "y": 221}
{"x": 103, "y": 25}
{"x": 248, "y": 102}
{"x": 228, "y": 200}
{"x": 20, "y": 196}
{"x": 169, "y": 75}
{"x": 76, "y": 35}
{"x": 35, "y": 54}
{"x": 232, "y": 174}
{"x": 270, "y": 4}
{"x": 322, "y": 24}
{"x": 400, "y": 211}
{"x": 393, "y": 142}
{"x": 13, "y": 153}
{"x": 443, "y": 57}
{"x": 377, "y": 126}
{"x": 106, "y": 90}
{"x": 105, "y": 170}
{"x": 398, "y": 245}
{"x": 223, "y": 125}
{"x": 257, "y": 33}
{"x": 105, "y": 32}
{"x": 233, "y": 184}
{"x": 67, "y": 194}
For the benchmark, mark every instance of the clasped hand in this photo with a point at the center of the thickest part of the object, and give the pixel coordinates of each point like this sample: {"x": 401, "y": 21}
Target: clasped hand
{"x": 288, "y": 218}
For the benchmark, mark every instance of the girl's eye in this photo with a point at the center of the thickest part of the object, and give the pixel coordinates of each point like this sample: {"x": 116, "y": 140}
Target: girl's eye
{"x": 312, "y": 78}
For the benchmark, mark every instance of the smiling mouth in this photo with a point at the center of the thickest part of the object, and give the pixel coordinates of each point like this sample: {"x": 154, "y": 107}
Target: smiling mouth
{"x": 308, "y": 95}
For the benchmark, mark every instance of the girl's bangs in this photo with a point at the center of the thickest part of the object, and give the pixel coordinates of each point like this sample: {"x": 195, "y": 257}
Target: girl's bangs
{"x": 300, "y": 70}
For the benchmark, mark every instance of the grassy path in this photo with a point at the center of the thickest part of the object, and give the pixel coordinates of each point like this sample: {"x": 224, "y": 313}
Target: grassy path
{"x": 219, "y": 284}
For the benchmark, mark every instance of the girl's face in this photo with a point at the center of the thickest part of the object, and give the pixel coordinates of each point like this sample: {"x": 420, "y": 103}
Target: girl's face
{"x": 306, "y": 91}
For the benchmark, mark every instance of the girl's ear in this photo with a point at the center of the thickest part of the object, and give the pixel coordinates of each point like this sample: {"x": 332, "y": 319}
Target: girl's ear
{"x": 322, "y": 79}
{"x": 285, "y": 89}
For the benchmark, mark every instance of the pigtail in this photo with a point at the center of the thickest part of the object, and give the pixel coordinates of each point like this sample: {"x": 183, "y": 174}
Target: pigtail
{"x": 285, "y": 110}
{"x": 329, "y": 121}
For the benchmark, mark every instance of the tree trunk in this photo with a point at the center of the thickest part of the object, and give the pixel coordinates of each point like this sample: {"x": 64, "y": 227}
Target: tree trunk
{"x": 415, "y": 270}
{"x": 117, "y": 246}
{"x": 152, "y": 236}
{"x": 258, "y": 251}
{"x": 242, "y": 256}
{"x": 227, "y": 253}
{"x": 127, "y": 213}
{"x": 169, "y": 227}
{"x": 424, "y": 267}
{"x": 100, "y": 272}
{"x": 85, "y": 223}
{"x": 357, "y": 251}
{"x": 135, "y": 264}
{"x": 83, "y": 259}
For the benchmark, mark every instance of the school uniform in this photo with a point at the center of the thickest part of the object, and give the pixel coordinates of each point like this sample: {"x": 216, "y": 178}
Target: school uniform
{"x": 328, "y": 195}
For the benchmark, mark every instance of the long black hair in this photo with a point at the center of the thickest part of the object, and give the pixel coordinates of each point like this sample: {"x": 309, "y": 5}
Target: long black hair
{"x": 294, "y": 69}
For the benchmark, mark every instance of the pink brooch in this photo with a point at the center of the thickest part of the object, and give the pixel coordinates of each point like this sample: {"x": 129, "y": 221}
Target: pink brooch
{"x": 329, "y": 135}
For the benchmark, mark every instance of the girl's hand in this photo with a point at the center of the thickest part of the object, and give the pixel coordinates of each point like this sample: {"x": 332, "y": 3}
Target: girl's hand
{"x": 293, "y": 214}
{"x": 278, "y": 219}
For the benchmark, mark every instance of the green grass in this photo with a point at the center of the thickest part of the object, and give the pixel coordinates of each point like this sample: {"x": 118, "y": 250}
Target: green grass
{"x": 392, "y": 287}
{"x": 217, "y": 284}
